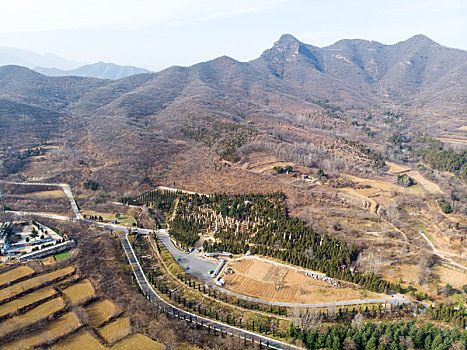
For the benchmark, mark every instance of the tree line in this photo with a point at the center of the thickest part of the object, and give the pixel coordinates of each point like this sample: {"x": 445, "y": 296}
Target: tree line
{"x": 380, "y": 336}
{"x": 448, "y": 313}
{"x": 272, "y": 232}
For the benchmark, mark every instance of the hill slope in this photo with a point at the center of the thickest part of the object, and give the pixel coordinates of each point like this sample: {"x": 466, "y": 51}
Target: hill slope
{"x": 293, "y": 94}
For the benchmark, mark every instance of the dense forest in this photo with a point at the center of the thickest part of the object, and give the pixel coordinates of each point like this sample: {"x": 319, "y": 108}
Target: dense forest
{"x": 376, "y": 336}
{"x": 260, "y": 224}
{"x": 448, "y": 313}
{"x": 433, "y": 152}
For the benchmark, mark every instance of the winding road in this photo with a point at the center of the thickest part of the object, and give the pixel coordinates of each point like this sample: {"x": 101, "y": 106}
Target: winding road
{"x": 198, "y": 266}
{"x": 149, "y": 292}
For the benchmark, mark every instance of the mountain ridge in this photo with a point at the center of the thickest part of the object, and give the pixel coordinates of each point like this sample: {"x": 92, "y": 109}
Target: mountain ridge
{"x": 99, "y": 70}
{"x": 289, "y": 84}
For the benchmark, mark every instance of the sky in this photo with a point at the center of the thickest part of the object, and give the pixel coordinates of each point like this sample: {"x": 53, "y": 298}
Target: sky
{"x": 156, "y": 34}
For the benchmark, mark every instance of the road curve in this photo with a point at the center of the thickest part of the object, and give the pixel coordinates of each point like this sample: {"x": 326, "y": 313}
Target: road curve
{"x": 149, "y": 292}
{"x": 169, "y": 245}
{"x": 65, "y": 188}
{"x": 191, "y": 260}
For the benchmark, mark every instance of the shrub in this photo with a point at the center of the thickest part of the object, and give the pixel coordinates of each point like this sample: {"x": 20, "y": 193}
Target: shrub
{"x": 405, "y": 180}
{"x": 91, "y": 185}
{"x": 445, "y": 206}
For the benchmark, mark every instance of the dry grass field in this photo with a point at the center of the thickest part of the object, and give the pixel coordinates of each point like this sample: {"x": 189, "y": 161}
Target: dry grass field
{"x": 138, "y": 341}
{"x": 458, "y": 140}
{"x": 115, "y": 330}
{"x": 396, "y": 168}
{"x": 439, "y": 276}
{"x": 260, "y": 162}
{"x": 265, "y": 280}
{"x": 26, "y": 300}
{"x": 38, "y": 313}
{"x": 447, "y": 275}
{"x": 99, "y": 312}
{"x": 63, "y": 325}
{"x": 15, "y": 274}
{"x": 80, "y": 292}
{"x": 122, "y": 219}
{"x": 43, "y": 194}
{"x": 79, "y": 341}
{"x": 34, "y": 282}
{"x": 427, "y": 185}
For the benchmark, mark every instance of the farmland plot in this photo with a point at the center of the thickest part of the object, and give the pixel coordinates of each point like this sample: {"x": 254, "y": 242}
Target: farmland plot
{"x": 38, "y": 313}
{"x": 99, "y": 312}
{"x": 26, "y": 300}
{"x": 15, "y": 274}
{"x": 65, "y": 324}
{"x": 79, "y": 341}
{"x": 34, "y": 282}
{"x": 115, "y": 330}
{"x": 138, "y": 341}
{"x": 267, "y": 281}
{"x": 79, "y": 292}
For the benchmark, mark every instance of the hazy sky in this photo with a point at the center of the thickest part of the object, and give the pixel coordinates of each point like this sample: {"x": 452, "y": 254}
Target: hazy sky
{"x": 156, "y": 34}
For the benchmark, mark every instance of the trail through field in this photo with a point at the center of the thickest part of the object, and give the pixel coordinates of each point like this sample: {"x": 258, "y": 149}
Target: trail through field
{"x": 427, "y": 185}
{"x": 435, "y": 251}
{"x": 172, "y": 217}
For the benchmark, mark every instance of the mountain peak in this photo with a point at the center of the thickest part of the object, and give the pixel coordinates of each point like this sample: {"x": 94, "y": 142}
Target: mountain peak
{"x": 287, "y": 39}
{"x": 420, "y": 39}
{"x": 287, "y": 43}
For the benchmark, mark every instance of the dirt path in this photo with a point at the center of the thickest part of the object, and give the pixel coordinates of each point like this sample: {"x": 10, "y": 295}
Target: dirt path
{"x": 435, "y": 251}
{"x": 172, "y": 217}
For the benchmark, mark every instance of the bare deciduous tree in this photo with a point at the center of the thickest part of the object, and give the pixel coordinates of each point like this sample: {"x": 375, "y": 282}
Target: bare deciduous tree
{"x": 349, "y": 344}
{"x": 306, "y": 319}
{"x": 358, "y": 320}
{"x": 424, "y": 268}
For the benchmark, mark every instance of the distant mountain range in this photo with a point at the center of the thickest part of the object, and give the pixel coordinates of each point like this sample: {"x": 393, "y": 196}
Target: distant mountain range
{"x": 56, "y": 66}
{"x": 97, "y": 70}
{"x": 31, "y": 59}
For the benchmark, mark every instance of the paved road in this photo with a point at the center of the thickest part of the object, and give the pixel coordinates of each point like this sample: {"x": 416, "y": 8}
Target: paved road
{"x": 198, "y": 267}
{"x": 65, "y": 187}
{"x": 149, "y": 292}
{"x": 313, "y": 305}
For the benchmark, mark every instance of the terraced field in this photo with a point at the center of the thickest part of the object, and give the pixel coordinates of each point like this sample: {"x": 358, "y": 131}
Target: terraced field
{"x": 65, "y": 324}
{"x": 115, "y": 330}
{"x": 100, "y": 312}
{"x": 34, "y": 282}
{"x": 15, "y": 274}
{"x": 138, "y": 341}
{"x": 26, "y": 300}
{"x": 79, "y": 341}
{"x": 28, "y": 318}
{"x": 79, "y": 292}
{"x": 44, "y": 307}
